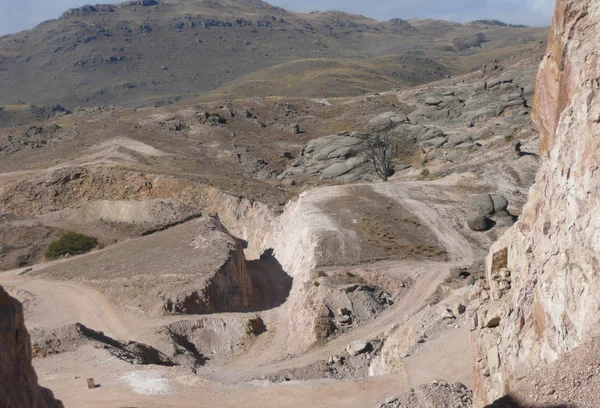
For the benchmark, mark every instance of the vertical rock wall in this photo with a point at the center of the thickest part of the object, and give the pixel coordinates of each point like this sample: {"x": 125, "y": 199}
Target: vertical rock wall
{"x": 18, "y": 382}
{"x": 542, "y": 296}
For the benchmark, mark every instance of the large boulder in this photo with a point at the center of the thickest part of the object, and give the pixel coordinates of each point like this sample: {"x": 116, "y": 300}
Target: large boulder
{"x": 339, "y": 169}
{"x": 500, "y": 203}
{"x": 455, "y": 140}
{"x": 381, "y": 123}
{"x": 479, "y": 222}
{"x": 358, "y": 347}
{"x": 433, "y": 100}
{"x": 435, "y": 142}
{"x": 482, "y": 204}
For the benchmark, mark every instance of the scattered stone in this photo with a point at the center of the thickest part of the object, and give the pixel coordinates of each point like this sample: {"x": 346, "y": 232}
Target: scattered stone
{"x": 344, "y": 312}
{"x": 393, "y": 402}
{"x": 336, "y": 360}
{"x": 448, "y": 315}
{"x": 358, "y": 347}
{"x": 455, "y": 272}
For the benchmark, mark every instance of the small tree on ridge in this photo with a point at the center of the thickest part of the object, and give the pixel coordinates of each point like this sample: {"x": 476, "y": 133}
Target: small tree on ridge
{"x": 382, "y": 149}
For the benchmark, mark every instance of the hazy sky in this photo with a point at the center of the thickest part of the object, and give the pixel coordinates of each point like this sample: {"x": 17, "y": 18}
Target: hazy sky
{"x": 17, "y": 15}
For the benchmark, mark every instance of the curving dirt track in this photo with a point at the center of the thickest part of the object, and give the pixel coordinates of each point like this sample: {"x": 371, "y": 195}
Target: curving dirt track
{"x": 60, "y": 303}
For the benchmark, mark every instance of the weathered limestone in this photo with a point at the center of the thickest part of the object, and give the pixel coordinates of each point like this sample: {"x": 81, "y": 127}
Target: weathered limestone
{"x": 542, "y": 296}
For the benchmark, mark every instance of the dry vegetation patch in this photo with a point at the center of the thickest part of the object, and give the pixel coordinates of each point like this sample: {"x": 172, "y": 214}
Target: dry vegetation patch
{"x": 386, "y": 230}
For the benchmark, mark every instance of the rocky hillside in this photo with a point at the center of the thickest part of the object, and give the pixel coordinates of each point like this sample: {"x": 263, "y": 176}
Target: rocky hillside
{"x": 158, "y": 51}
{"x": 19, "y": 386}
{"x": 542, "y": 297}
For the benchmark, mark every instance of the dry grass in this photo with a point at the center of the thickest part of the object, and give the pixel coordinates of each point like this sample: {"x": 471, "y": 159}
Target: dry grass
{"x": 385, "y": 229}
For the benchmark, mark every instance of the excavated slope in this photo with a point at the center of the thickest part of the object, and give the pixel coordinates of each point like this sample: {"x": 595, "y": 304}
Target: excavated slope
{"x": 543, "y": 293}
{"x": 197, "y": 268}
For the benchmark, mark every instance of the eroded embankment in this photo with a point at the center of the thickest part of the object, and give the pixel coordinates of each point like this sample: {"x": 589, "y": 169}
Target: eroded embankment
{"x": 307, "y": 235}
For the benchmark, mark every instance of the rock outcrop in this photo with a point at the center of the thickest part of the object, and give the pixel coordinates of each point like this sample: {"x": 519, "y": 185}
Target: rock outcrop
{"x": 542, "y": 296}
{"x": 18, "y": 382}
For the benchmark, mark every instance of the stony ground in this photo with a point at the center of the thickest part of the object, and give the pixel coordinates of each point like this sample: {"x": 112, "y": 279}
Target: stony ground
{"x": 571, "y": 381}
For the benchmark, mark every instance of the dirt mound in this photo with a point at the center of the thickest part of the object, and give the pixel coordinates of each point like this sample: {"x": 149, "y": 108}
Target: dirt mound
{"x": 64, "y": 339}
{"x": 208, "y": 340}
{"x": 383, "y": 226}
{"x": 435, "y": 395}
{"x": 339, "y": 367}
{"x": 72, "y": 187}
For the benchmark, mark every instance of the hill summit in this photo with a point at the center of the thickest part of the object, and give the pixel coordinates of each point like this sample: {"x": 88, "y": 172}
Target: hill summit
{"x": 148, "y": 52}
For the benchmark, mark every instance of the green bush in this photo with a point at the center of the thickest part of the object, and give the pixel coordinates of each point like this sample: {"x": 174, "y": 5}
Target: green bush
{"x": 71, "y": 243}
{"x": 425, "y": 173}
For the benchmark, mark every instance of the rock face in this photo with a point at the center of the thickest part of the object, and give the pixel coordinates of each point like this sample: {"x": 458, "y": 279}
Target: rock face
{"x": 18, "y": 382}
{"x": 542, "y": 295}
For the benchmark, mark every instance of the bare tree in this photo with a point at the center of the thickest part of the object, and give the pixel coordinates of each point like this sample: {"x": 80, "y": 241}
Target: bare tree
{"x": 382, "y": 149}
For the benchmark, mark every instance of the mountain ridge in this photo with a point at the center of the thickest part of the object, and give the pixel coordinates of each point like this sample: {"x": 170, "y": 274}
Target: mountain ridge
{"x": 149, "y": 52}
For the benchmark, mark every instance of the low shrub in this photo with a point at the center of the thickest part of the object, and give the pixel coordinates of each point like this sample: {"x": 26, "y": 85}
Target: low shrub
{"x": 71, "y": 243}
{"x": 464, "y": 43}
{"x": 447, "y": 48}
